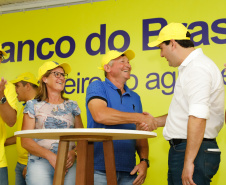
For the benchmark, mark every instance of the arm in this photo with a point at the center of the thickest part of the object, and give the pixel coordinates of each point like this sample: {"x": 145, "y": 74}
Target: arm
{"x": 7, "y": 113}
{"x": 78, "y": 122}
{"x": 72, "y": 154}
{"x": 31, "y": 146}
{"x": 195, "y": 134}
{"x": 161, "y": 120}
{"x": 109, "y": 116}
{"x": 141, "y": 168}
{"x": 10, "y": 141}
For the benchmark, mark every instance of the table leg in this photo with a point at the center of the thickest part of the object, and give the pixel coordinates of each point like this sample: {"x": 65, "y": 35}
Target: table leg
{"x": 90, "y": 164}
{"x": 60, "y": 168}
{"x": 109, "y": 159}
{"x": 81, "y": 167}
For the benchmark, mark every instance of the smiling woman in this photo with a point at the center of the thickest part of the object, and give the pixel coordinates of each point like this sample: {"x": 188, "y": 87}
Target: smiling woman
{"x": 50, "y": 109}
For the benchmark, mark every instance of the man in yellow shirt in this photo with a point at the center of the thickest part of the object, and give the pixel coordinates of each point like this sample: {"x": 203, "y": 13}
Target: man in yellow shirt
{"x": 26, "y": 89}
{"x": 8, "y": 115}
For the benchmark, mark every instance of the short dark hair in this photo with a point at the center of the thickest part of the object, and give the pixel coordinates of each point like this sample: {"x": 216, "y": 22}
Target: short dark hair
{"x": 32, "y": 85}
{"x": 183, "y": 43}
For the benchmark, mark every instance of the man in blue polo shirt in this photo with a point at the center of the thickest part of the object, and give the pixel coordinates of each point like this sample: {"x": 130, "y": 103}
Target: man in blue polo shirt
{"x": 112, "y": 105}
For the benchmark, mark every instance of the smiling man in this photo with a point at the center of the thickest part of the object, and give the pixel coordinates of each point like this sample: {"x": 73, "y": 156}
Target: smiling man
{"x": 196, "y": 113}
{"x": 8, "y": 115}
{"x": 112, "y": 105}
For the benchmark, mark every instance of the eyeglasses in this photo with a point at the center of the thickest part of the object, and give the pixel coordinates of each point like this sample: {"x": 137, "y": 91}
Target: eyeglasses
{"x": 58, "y": 74}
{"x": 1, "y": 57}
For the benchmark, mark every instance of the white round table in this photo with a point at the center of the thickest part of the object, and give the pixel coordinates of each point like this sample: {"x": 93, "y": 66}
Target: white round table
{"x": 85, "y": 149}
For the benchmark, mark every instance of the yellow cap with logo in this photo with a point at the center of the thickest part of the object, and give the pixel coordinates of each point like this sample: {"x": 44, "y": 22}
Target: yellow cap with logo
{"x": 176, "y": 31}
{"x": 113, "y": 54}
{"x": 52, "y": 65}
{"x": 27, "y": 77}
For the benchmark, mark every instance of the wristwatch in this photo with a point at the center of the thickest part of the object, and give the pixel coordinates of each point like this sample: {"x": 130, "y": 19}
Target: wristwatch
{"x": 3, "y": 100}
{"x": 146, "y": 160}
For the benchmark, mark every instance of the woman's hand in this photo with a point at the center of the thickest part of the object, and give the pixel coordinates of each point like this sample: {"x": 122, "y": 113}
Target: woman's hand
{"x": 71, "y": 159}
{"x": 52, "y": 157}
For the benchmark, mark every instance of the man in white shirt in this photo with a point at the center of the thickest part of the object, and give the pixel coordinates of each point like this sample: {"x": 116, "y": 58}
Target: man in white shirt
{"x": 196, "y": 113}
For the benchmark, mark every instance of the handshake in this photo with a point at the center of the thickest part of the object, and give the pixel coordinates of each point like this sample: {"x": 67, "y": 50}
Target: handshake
{"x": 148, "y": 122}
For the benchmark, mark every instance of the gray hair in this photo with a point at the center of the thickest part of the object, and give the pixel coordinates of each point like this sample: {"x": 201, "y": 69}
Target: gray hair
{"x": 110, "y": 64}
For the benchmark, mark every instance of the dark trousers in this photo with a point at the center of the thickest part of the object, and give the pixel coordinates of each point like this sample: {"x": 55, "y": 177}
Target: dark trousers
{"x": 206, "y": 163}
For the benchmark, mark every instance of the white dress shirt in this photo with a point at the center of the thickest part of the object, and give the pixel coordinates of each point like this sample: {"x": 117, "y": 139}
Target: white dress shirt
{"x": 199, "y": 92}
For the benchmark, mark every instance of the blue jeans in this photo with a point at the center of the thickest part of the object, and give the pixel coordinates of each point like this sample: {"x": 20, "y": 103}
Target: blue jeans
{"x": 123, "y": 178}
{"x": 4, "y": 176}
{"x": 40, "y": 171}
{"x": 206, "y": 163}
{"x": 19, "y": 174}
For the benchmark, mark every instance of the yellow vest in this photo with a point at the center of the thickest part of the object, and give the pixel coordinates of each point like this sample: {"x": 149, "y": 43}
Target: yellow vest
{"x": 11, "y": 96}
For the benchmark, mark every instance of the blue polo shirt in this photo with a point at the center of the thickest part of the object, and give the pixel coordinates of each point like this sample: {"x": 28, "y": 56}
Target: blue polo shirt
{"x": 124, "y": 150}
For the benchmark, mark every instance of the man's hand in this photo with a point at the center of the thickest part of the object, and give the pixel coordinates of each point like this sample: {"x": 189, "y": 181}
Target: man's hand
{"x": 141, "y": 169}
{"x": 150, "y": 122}
{"x": 187, "y": 174}
{"x": 195, "y": 134}
{"x": 24, "y": 172}
{"x": 3, "y": 82}
{"x": 142, "y": 126}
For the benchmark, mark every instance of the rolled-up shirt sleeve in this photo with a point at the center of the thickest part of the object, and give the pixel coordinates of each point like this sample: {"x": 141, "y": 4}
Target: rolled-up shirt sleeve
{"x": 197, "y": 90}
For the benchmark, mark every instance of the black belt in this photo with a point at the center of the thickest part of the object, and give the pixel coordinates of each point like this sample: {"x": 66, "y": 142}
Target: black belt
{"x": 174, "y": 142}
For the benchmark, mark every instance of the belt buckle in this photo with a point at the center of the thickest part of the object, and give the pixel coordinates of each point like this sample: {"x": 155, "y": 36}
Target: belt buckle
{"x": 174, "y": 142}
{"x": 171, "y": 142}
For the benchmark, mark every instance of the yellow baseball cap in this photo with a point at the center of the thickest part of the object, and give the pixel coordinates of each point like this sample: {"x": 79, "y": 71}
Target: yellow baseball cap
{"x": 113, "y": 54}
{"x": 176, "y": 31}
{"x": 3, "y": 52}
{"x": 27, "y": 77}
{"x": 52, "y": 65}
